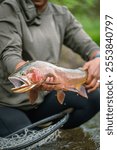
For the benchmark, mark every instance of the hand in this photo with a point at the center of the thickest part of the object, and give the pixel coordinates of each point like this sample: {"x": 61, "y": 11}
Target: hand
{"x": 93, "y": 69}
{"x": 20, "y": 64}
{"x": 47, "y": 85}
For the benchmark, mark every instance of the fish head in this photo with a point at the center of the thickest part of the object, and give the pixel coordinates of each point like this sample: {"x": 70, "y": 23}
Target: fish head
{"x": 25, "y": 78}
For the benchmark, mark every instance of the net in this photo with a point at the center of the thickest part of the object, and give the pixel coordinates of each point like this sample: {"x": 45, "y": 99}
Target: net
{"x": 29, "y": 138}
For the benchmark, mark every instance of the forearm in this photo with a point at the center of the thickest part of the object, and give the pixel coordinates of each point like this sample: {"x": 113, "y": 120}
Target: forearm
{"x": 10, "y": 63}
{"x": 10, "y": 39}
{"x": 10, "y": 58}
{"x": 78, "y": 40}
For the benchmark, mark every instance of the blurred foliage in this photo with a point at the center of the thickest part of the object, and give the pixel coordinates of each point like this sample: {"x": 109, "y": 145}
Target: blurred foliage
{"x": 87, "y": 12}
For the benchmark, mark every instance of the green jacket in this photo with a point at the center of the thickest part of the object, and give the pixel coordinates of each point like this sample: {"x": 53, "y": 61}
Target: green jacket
{"x": 31, "y": 35}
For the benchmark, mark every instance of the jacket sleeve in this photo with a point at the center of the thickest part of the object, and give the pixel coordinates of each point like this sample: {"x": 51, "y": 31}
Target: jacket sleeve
{"x": 10, "y": 38}
{"x": 77, "y": 39}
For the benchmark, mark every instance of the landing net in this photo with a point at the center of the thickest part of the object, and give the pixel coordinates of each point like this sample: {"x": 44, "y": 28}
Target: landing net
{"x": 29, "y": 138}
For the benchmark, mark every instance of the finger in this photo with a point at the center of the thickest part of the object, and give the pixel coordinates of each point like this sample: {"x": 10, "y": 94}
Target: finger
{"x": 51, "y": 79}
{"x": 91, "y": 84}
{"x": 96, "y": 74}
{"x": 46, "y": 85}
{"x": 92, "y": 74}
{"x": 90, "y": 77}
{"x": 86, "y": 66}
{"x": 94, "y": 88}
{"x": 48, "y": 79}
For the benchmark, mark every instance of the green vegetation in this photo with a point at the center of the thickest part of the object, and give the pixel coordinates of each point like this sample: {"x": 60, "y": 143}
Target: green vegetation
{"x": 87, "y": 12}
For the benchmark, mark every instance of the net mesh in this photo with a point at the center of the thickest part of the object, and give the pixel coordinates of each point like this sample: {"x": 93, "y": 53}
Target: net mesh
{"x": 29, "y": 139}
{"x": 17, "y": 140}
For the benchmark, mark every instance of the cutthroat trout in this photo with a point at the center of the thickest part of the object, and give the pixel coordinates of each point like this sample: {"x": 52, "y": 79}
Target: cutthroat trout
{"x": 32, "y": 78}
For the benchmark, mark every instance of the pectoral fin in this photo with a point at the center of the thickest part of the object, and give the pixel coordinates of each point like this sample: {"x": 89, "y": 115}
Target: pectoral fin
{"x": 82, "y": 91}
{"x": 33, "y": 95}
{"x": 60, "y": 96}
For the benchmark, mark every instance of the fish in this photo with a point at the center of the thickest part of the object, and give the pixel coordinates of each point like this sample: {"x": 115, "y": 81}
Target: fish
{"x": 32, "y": 77}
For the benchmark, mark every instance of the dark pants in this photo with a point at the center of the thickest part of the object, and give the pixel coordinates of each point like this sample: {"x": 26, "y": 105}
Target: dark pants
{"x": 12, "y": 119}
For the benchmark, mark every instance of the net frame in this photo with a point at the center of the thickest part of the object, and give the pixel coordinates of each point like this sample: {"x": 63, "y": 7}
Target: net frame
{"x": 24, "y": 134}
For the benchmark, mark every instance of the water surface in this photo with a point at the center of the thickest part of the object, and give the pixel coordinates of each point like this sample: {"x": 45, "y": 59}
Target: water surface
{"x": 86, "y": 137}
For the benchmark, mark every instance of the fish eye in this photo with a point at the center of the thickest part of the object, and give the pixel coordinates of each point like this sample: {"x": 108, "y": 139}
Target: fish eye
{"x": 31, "y": 70}
{"x": 22, "y": 73}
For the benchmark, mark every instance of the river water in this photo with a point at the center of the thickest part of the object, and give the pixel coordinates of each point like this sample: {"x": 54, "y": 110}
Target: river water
{"x": 86, "y": 137}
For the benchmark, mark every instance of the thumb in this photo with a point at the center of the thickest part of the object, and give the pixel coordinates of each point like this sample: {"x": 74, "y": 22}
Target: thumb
{"x": 86, "y": 66}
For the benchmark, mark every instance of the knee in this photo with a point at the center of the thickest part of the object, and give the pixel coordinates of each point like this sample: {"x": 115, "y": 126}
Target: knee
{"x": 12, "y": 120}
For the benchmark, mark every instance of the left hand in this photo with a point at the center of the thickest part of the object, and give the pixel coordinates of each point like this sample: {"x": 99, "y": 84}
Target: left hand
{"x": 46, "y": 85}
{"x": 93, "y": 69}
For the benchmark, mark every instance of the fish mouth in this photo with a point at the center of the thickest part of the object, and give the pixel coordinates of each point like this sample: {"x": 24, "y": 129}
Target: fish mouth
{"x": 20, "y": 85}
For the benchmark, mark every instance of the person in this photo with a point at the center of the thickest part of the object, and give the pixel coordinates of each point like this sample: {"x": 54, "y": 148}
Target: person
{"x": 36, "y": 30}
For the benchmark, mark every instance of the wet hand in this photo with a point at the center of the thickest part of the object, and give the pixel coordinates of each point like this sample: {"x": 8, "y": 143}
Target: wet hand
{"x": 20, "y": 64}
{"x": 93, "y": 79}
{"x": 48, "y": 83}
